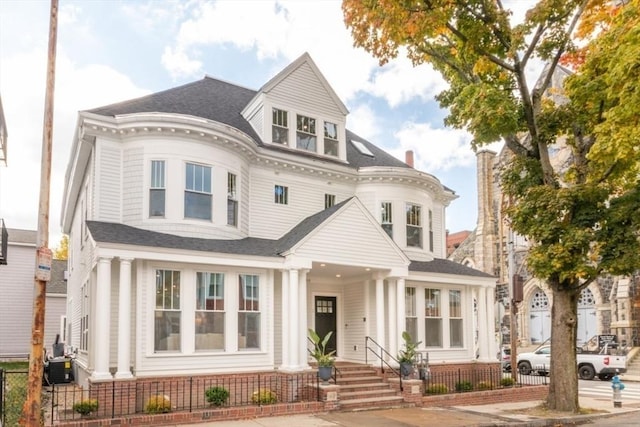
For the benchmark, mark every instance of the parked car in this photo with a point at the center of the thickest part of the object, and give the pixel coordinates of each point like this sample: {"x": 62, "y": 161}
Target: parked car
{"x": 604, "y": 366}
{"x": 504, "y": 356}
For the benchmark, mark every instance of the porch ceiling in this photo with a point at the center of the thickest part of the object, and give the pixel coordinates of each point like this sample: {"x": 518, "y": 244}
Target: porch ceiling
{"x": 328, "y": 271}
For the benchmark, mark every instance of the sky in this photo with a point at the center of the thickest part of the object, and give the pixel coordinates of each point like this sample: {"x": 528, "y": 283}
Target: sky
{"x": 113, "y": 50}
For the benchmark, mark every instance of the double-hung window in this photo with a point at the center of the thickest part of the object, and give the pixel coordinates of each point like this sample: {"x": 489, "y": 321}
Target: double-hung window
{"x": 456, "y": 335}
{"x": 232, "y": 200}
{"x": 249, "y": 312}
{"x": 167, "y": 330}
{"x": 430, "y": 230}
{"x": 157, "y": 189}
{"x": 411, "y": 314}
{"x": 433, "y": 318}
{"x": 329, "y": 200}
{"x": 306, "y": 133}
{"x": 386, "y": 219}
{"x": 414, "y": 225}
{"x": 330, "y": 139}
{"x": 209, "y": 317}
{"x": 84, "y": 317}
{"x": 197, "y": 195}
{"x": 281, "y": 195}
{"x": 279, "y": 127}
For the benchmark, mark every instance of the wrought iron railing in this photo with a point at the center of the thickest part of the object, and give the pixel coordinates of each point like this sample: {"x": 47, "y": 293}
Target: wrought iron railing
{"x": 379, "y": 352}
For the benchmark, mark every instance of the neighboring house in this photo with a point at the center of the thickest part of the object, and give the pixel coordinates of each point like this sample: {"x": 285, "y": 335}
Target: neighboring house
{"x": 16, "y": 307}
{"x": 3, "y": 162}
{"x": 610, "y": 305}
{"x": 211, "y": 225}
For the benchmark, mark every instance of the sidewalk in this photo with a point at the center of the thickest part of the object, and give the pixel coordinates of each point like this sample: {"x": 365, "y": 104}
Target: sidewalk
{"x": 519, "y": 413}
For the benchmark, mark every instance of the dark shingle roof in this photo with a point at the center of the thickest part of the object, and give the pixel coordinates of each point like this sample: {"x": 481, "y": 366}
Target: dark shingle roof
{"x": 445, "y": 266}
{"x": 223, "y": 102}
{"x": 207, "y": 98}
{"x": 109, "y": 232}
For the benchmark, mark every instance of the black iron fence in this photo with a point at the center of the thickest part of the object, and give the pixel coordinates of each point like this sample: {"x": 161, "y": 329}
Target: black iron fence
{"x": 460, "y": 381}
{"x": 185, "y": 394}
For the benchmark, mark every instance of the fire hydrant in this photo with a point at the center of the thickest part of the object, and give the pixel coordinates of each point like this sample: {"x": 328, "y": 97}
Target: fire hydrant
{"x": 617, "y": 387}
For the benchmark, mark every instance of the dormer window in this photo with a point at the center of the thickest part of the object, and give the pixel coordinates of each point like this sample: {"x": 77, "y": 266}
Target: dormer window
{"x": 330, "y": 139}
{"x": 306, "y": 133}
{"x": 280, "y": 127}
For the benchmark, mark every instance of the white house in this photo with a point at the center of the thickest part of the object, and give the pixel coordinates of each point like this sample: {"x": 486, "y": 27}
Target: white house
{"x": 211, "y": 225}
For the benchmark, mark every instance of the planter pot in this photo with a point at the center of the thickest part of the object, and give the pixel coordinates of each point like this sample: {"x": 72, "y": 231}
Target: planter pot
{"x": 406, "y": 369}
{"x": 324, "y": 373}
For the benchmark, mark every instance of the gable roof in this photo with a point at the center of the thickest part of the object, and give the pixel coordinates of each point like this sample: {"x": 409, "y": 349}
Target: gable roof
{"x": 305, "y": 58}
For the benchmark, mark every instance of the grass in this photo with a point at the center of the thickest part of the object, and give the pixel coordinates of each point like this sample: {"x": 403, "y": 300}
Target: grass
{"x": 543, "y": 411}
{"x": 16, "y": 379}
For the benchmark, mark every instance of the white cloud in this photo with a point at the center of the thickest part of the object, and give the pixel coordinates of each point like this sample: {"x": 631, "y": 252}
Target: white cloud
{"x": 363, "y": 122}
{"x": 23, "y": 90}
{"x": 400, "y": 82}
{"x": 434, "y": 149}
{"x": 178, "y": 63}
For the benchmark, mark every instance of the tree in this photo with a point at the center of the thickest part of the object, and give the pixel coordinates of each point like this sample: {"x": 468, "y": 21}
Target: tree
{"x": 581, "y": 218}
{"x": 62, "y": 251}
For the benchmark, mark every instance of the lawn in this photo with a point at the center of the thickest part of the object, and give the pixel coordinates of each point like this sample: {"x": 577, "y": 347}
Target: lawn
{"x": 15, "y": 391}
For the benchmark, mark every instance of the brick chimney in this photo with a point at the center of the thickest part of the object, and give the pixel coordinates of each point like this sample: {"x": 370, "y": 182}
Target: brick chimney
{"x": 409, "y": 157}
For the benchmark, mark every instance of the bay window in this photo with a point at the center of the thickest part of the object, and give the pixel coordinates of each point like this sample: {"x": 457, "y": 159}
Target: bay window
{"x": 167, "y": 314}
{"x": 456, "y": 335}
{"x": 157, "y": 189}
{"x": 210, "y": 314}
{"x": 249, "y": 312}
{"x": 197, "y": 195}
{"x": 433, "y": 318}
{"x": 414, "y": 225}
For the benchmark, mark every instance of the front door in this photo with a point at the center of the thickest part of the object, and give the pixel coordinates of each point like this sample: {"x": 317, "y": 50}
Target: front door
{"x": 325, "y": 309}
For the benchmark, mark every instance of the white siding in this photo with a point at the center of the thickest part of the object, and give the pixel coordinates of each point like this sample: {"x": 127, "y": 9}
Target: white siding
{"x": 132, "y": 185}
{"x": 354, "y": 315}
{"x": 303, "y": 91}
{"x": 306, "y": 197}
{"x": 56, "y": 306}
{"x": 16, "y": 303}
{"x": 365, "y": 242}
{"x": 108, "y": 182}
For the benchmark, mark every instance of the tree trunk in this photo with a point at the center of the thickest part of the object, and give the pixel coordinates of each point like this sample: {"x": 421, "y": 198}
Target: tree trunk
{"x": 563, "y": 386}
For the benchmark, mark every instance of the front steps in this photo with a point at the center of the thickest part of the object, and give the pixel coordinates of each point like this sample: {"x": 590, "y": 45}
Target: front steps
{"x": 362, "y": 388}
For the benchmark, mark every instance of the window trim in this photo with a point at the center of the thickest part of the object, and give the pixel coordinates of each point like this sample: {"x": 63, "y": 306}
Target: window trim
{"x": 414, "y": 221}
{"x": 232, "y": 191}
{"x": 276, "y": 117}
{"x": 311, "y": 133}
{"x": 155, "y": 186}
{"x": 206, "y": 185}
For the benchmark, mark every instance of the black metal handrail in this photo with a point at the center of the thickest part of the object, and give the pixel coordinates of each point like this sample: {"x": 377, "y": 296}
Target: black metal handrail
{"x": 380, "y": 356}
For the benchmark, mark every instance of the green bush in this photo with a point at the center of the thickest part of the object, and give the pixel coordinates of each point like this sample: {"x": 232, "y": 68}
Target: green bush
{"x": 263, "y": 397}
{"x": 507, "y": 382}
{"x": 217, "y": 396}
{"x": 86, "y": 406}
{"x": 484, "y": 385}
{"x": 158, "y": 404}
{"x": 437, "y": 388}
{"x": 464, "y": 386}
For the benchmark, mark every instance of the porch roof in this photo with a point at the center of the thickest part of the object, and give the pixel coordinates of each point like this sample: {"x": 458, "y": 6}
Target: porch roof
{"x": 444, "y": 266}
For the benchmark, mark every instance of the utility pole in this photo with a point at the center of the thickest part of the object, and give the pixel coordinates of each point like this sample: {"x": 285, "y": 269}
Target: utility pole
{"x": 31, "y": 408}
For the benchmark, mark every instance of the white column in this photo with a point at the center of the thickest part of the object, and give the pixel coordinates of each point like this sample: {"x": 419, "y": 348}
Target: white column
{"x": 103, "y": 321}
{"x": 491, "y": 328}
{"x": 380, "y": 312}
{"x": 302, "y": 319}
{"x": 400, "y": 309}
{"x": 284, "y": 329}
{"x": 393, "y": 318}
{"x": 124, "y": 320}
{"x": 294, "y": 325}
{"x": 483, "y": 344}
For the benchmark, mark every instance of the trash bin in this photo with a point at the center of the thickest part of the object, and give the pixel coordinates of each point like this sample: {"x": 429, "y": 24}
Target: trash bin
{"x": 59, "y": 370}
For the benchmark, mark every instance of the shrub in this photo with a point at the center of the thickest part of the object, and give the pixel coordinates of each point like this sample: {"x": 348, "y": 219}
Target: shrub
{"x": 507, "y": 382}
{"x": 464, "y": 386}
{"x": 437, "y": 388}
{"x": 86, "y": 406}
{"x": 484, "y": 385}
{"x": 263, "y": 397}
{"x": 217, "y": 396}
{"x": 158, "y": 404}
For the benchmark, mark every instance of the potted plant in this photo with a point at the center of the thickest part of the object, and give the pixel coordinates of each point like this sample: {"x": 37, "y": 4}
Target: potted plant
{"x": 407, "y": 357}
{"x": 325, "y": 360}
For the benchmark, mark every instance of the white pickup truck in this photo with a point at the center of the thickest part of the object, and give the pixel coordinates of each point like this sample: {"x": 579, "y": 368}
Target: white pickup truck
{"x": 604, "y": 366}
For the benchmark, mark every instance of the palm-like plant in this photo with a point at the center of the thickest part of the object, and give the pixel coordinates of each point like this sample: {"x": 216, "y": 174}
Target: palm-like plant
{"x": 319, "y": 352}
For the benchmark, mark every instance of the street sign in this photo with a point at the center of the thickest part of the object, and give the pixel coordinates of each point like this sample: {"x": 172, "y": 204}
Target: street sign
{"x": 44, "y": 261}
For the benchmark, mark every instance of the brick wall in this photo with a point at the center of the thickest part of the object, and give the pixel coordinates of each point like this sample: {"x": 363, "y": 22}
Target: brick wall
{"x": 513, "y": 394}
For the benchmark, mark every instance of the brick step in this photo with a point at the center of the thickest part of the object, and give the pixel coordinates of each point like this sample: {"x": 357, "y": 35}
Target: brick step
{"x": 362, "y": 394}
{"x": 351, "y": 374}
{"x": 372, "y": 402}
{"x": 357, "y": 380}
{"x": 364, "y": 387}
